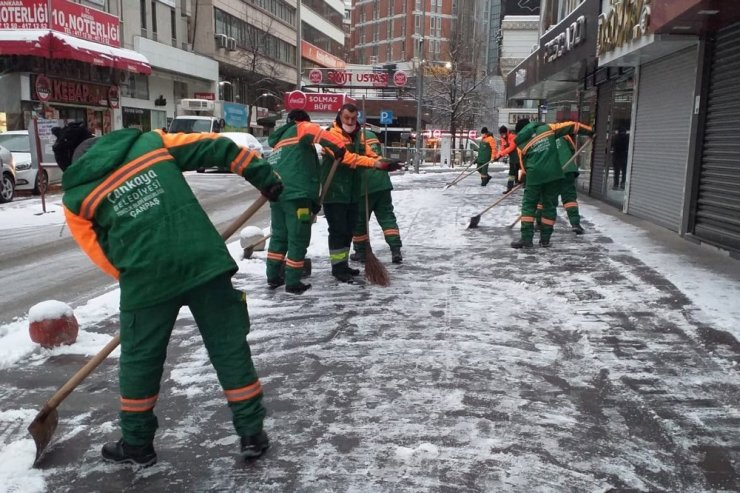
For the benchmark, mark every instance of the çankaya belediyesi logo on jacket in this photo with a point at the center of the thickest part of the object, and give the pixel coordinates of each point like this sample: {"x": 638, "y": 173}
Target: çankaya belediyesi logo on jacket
{"x": 137, "y": 195}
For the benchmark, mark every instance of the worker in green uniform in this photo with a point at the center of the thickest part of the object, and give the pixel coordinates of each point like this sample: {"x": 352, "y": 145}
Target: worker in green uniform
{"x": 508, "y": 148}
{"x": 486, "y": 152}
{"x": 341, "y": 201}
{"x": 295, "y": 159}
{"x": 566, "y": 147}
{"x": 541, "y": 163}
{"x": 130, "y": 209}
{"x": 377, "y": 185}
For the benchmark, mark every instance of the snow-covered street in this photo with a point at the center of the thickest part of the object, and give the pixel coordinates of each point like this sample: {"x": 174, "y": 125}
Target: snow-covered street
{"x": 608, "y": 362}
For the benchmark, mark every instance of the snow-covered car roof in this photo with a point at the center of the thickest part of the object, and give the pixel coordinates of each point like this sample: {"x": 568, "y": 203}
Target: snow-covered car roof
{"x": 244, "y": 139}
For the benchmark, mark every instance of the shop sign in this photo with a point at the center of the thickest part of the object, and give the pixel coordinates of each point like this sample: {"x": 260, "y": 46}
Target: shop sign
{"x": 71, "y": 92}
{"x": 358, "y": 78}
{"x": 515, "y": 117}
{"x": 626, "y": 21}
{"x": 236, "y": 116}
{"x": 113, "y": 99}
{"x": 210, "y": 96}
{"x": 314, "y": 102}
{"x": 67, "y": 17}
{"x": 85, "y": 23}
{"x": 400, "y": 78}
{"x": 315, "y": 76}
{"x": 574, "y": 35}
{"x": 43, "y": 88}
{"x": 317, "y": 55}
{"x": 24, "y": 14}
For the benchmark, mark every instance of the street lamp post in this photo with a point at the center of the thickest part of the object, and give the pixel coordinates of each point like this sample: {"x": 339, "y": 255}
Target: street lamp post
{"x": 420, "y": 88}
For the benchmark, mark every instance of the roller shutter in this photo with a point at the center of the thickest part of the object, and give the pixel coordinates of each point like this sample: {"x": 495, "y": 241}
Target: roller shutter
{"x": 661, "y": 139}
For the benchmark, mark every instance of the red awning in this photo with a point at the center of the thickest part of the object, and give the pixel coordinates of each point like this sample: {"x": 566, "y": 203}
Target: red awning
{"x": 53, "y": 44}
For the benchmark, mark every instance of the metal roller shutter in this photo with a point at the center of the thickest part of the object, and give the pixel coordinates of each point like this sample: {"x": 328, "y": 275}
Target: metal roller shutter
{"x": 601, "y": 145}
{"x": 661, "y": 140}
{"x": 718, "y": 203}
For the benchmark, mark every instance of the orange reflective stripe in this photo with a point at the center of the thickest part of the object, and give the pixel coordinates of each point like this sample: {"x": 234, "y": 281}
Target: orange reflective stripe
{"x": 391, "y": 232}
{"x": 527, "y": 219}
{"x": 357, "y": 239}
{"x": 241, "y": 161}
{"x": 295, "y": 264}
{"x": 181, "y": 139}
{"x": 568, "y": 205}
{"x": 549, "y": 222}
{"x": 275, "y": 256}
{"x": 118, "y": 177}
{"x": 538, "y": 138}
{"x": 286, "y": 142}
{"x": 138, "y": 405}
{"x": 84, "y": 234}
{"x": 244, "y": 393}
{"x": 540, "y": 206}
{"x": 373, "y": 141}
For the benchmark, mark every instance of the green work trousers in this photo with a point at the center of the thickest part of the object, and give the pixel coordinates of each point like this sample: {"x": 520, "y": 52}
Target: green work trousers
{"x": 220, "y": 311}
{"x": 291, "y": 234}
{"x": 341, "y": 219}
{"x": 569, "y": 197}
{"x": 547, "y": 195}
{"x": 380, "y": 204}
{"x": 483, "y": 170}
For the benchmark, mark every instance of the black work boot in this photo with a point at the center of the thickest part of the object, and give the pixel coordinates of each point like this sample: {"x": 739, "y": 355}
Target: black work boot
{"x": 521, "y": 244}
{"x": 396, "y": 256}
{"x": 577, "y": 229}
{"x": 254, "y": 445}
{"x": 484, "y": 180}
{"x": 342, "y": 272}
{"x": 123, "y": 453}
{"x": 545, "y": 242}
{"x": 353, "y": 272}
{"x": 299, "y": 288}
{"x": 358, "y": 257}
{"x": 275, "y": 283}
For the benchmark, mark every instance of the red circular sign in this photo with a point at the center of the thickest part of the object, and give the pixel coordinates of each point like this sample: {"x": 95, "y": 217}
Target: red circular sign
{"x": 437, "y": 134}
{"x": 43, "y": 88}
{"x": 472, "y": 134}
{"x": 113, "y": 96}
{"x": 296, "y": 100}
{"x": 315, "y": 76}
{"x": 400, "y": 78}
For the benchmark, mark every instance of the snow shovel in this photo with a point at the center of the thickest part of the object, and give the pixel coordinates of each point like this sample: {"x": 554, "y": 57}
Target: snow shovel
{"x": 475, "y": 220}
{"x": 458, "y": 176}
{"x": 45, "y": 423}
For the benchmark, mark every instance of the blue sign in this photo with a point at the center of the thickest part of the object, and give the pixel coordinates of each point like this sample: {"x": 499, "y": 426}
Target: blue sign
{"x": 236, "y": 115}
{"x": 386, "y": 117}
{"x": 360, "y": 117}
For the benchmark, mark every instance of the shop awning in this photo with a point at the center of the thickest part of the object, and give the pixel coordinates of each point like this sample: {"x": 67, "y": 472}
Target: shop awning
{"x": 53, "y": 44}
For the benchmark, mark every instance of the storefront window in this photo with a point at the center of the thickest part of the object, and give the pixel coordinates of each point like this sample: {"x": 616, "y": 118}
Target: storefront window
{"x": 136, "y": 118}
{"x": 619, "y": 136}
{"x": 135, "y": 86}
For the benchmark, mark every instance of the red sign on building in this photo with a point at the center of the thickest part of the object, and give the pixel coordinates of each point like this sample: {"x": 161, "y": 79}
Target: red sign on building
{"x": 67, "y": 17}
{"x": 210, "y": 96}
{"x": 317, "y": 55}
{"x": 315, "y": 102}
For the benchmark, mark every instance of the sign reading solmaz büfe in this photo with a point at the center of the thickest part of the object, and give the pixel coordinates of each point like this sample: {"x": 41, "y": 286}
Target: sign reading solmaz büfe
{"x": 66, "y": 17}
{"x": 315, "y": 102}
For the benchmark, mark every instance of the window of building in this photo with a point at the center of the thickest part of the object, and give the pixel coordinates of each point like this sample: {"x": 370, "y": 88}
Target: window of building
{"x": 179, "y": 90}
{"x": 173, "y": 26}
{"x": 142, "y": 14}
{"x": 247, "y": 36}
{"x": 135, "y": 86}
{"x": 154, "y": 20}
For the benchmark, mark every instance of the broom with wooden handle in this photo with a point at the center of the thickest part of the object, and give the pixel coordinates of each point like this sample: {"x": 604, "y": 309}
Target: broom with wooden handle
{"x": 375, "y": 271}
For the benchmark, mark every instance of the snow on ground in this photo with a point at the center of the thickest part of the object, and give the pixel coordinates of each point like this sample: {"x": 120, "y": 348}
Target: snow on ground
{"x": 28, "y": 211}
{"x": 478, "y": 369}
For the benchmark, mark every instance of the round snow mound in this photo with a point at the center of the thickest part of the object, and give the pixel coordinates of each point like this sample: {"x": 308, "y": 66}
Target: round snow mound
{"x": 49, "y": 310}
{"x": 249, "y": 235}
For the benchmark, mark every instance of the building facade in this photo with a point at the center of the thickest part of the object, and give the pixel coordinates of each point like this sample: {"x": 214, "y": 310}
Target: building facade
{"x": 657, "y": 79}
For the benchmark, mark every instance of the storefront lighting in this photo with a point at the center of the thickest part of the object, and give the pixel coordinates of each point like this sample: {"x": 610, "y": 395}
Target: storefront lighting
{"x": 708, "y": 12}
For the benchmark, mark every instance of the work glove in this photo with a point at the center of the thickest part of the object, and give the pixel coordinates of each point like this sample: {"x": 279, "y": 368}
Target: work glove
{"x": 315, "y": 208}
{"x": 389, "y": 165}
{"x": 272, "y": 192}
{"x": 339, "y": 155}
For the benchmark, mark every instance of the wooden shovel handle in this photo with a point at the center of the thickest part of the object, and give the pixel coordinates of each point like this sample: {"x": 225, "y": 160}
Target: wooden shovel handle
{"x": 501, "y": 199}
{"x": 244, "y": 217}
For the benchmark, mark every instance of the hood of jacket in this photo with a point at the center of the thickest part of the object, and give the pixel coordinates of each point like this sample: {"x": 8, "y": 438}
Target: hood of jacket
{"x": 278, "y": 133}
{"x": 107, "y": 153}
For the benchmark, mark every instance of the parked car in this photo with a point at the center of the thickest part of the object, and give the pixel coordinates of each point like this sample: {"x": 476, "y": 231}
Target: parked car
{"x": 266, "y": 149}
{"x": 243, "y": 139}
{"x": 7, "y": 181}
{"x": 27, "y": 171}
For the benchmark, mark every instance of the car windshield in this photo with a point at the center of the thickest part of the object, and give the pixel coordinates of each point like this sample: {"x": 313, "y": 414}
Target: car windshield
{"x": 15, "y": 142}
{"x": 188, "y": 125}
{"x": 263, "y": 141}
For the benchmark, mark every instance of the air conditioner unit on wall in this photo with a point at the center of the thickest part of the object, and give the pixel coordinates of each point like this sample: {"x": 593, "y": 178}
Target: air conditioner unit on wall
{"x": 221, "y": 41}
{"x": 231, "y": 44}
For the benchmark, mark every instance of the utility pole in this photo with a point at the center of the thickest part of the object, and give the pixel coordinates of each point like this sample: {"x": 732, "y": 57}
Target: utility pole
{"x": 298, "y": 43}
{"x": 420, "y": 86}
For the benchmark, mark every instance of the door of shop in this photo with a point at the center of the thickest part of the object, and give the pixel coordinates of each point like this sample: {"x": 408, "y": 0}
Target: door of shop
{"x": 602, "y": 143}
{"x": 717, "y": 210}
{"x": 661, "y": 140}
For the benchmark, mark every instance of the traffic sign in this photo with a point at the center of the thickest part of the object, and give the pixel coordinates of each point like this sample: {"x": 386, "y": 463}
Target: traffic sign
{"x": 386, "y": 117}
